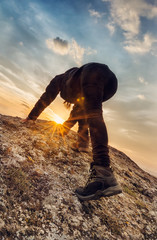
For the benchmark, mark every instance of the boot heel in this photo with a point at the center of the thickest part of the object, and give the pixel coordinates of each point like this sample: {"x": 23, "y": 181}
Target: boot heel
{"x": 112, "y": 191}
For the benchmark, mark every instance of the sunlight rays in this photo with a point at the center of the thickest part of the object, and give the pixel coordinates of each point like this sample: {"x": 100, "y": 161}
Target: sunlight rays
{"x": 55, "y": 130}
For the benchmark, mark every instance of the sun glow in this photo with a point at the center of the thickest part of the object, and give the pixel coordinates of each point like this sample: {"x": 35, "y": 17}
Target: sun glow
{"x": 58, "y": 119}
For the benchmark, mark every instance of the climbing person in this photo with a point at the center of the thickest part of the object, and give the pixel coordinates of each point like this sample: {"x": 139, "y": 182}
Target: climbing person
{"x": 94, "y": 83}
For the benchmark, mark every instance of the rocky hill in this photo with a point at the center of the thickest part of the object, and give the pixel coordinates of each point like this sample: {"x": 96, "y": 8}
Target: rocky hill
{"x": 39, "y": 173}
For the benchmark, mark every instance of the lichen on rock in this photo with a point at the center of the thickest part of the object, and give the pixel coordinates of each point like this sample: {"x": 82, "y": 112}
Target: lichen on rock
{"x": 38, "y": 176}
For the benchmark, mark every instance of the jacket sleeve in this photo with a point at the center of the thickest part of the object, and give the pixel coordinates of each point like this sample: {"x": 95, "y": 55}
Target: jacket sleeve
{"x": 47, "y": 97}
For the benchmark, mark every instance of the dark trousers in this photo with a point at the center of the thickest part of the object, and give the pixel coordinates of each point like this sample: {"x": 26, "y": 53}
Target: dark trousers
{"x": 98, "y": 84}
{"x": 77, "y": 115}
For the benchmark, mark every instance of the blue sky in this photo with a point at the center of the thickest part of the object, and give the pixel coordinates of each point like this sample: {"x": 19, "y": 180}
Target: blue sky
{"x": 40, "y": 39}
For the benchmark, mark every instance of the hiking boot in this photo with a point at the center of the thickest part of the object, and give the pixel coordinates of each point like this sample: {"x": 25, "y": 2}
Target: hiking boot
{"x": 101, "y": 183}
{"x": 75, "y": 147}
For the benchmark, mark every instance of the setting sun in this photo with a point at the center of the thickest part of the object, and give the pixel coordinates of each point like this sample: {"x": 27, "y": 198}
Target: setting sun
{"x": 58, "y": 119}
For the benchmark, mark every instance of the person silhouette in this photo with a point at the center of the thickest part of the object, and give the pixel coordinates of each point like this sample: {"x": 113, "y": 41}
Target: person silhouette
{"x": 93, "y": 83}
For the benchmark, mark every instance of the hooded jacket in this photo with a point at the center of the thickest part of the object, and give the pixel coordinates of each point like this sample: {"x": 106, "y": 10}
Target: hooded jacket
{"x": 68, "y": 85}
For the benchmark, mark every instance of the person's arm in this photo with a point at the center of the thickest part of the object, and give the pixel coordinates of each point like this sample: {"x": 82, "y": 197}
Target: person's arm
{"x": 47, "y": 97}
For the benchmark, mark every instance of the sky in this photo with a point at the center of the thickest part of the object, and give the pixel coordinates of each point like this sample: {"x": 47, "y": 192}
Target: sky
{"x": 40, "y": 39}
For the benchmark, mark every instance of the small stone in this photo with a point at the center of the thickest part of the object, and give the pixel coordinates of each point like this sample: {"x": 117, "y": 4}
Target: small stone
{"x": 42, "y": 232}
{"x": 60, "y": 155}
{"x": 2, "y": 223}
{"x": 125, "y": 236}
{"x": 38, "y": 172}
{"x": 2, "y": 207}
{"x": 148, "y": 229}
{"x": 31, "y": 238}
{"x": 152, "y": 213}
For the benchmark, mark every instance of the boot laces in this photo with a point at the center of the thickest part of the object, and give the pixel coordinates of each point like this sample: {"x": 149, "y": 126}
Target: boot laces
{"x": 92, "y": 176}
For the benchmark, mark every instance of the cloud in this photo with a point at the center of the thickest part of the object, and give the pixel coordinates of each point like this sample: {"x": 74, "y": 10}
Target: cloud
{"x": 62, "y": 47}
{"x": 90, "y": 51}
{"x": 8, "y": 87}
{"x": 94, "y": 13}
{"x": 21, "y": 43}
{"x": 141, "y": 97}
{"x": 71, "y": 48}
{"x": 124, "y": 15}
{"x": 109, "y": 114}
{"x": 140, "y": 46}
{"x": 4, "y": 79}
{"x": 25, "y": 105}
{"x": 129, "y": 133}
{"x": 111, "y": 27}
{"x": 14, "y": 79}
{"x": 127, "y": 15}
{"x": 58, "y": 45}
{"x": 76, "y": 52}
{"x": 143, "y": 81}
{"x": 5, "y": 72}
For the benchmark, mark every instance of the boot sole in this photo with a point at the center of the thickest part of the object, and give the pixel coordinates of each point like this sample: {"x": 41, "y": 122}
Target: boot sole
{"x": 106, "y": 193}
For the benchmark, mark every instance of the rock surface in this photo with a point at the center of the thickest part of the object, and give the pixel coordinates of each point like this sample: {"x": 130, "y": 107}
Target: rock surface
{"x": 38, "y": 176}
